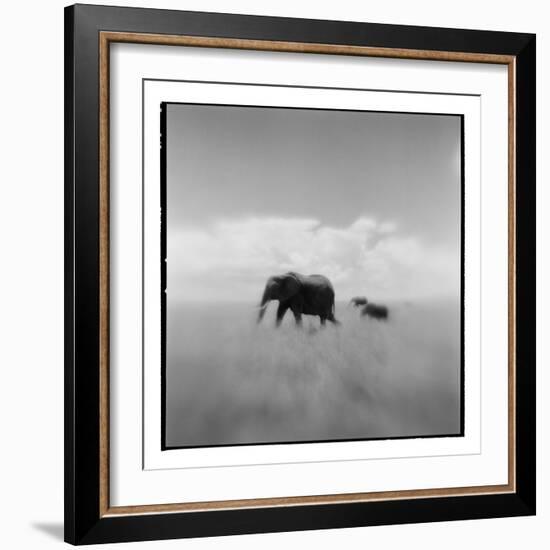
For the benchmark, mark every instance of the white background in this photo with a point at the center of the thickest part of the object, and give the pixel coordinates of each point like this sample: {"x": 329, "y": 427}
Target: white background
{"x": 129, "y": 483}
{"x": 31, "y": 224}
{"x": 122, "y": 412}
{"x": 132, "y": 485}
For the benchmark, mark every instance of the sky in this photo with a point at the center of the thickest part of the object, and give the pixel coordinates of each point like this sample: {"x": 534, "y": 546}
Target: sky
{"x": 371, "y": 200}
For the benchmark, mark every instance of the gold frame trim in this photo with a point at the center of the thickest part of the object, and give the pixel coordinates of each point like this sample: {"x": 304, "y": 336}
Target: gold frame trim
{"x": 105, "y": 39}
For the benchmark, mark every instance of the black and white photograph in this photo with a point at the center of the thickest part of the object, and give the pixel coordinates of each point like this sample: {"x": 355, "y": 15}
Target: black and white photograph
{"x": 298, "y": 275}
{"x": 312, "y": 275}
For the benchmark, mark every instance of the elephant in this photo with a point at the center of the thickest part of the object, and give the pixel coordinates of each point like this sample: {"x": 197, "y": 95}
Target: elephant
{"x": 375, "y": 311}
{"x": 357, "y": 301}
{"x": 302, "y": 294}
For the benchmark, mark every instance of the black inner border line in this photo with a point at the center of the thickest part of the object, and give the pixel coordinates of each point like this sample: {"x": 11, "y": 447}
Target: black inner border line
{"x": 305, "y": 87}
{"x": 462, "y": 274}
{"x": 164, "y": 259}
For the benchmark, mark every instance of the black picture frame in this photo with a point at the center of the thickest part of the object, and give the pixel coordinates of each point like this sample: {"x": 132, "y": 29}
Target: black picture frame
{"x": 84, "y": 522}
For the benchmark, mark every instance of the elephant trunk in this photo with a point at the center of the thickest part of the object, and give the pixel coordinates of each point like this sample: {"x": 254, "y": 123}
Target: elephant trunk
{"x": 263, "y": 304}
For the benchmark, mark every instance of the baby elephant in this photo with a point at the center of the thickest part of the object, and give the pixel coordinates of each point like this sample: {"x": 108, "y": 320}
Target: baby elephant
{"x": 375, "y": 311}
{"x": 357, "y": 301}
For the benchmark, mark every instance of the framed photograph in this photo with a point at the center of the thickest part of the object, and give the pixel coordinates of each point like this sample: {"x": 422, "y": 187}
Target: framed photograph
{"x": 300, "y": 274}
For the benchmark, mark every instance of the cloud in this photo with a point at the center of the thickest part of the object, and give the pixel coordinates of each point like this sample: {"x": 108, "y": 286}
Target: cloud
{"x": 232, "y": 258}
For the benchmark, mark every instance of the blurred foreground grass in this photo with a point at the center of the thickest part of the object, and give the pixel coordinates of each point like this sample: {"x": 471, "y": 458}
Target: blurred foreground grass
{"x": 231, "y": 381}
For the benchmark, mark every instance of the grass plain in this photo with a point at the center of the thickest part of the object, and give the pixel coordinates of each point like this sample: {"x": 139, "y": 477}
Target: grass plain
{"x": 231, "y": 381}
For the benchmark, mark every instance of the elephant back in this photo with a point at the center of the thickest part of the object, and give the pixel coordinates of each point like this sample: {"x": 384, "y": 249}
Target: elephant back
{"x": 321, "y": 281}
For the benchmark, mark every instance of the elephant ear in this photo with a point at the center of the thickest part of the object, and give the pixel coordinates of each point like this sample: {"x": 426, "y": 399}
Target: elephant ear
{"x": 290, "y": 286}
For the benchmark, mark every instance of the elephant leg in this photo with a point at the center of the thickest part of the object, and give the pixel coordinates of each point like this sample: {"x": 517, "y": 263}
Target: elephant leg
{"x": 323, "y": 321}
{"x": 281, "y": 310}
{"x": 333, "y": 319}
{"x": 297, "y": 315}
